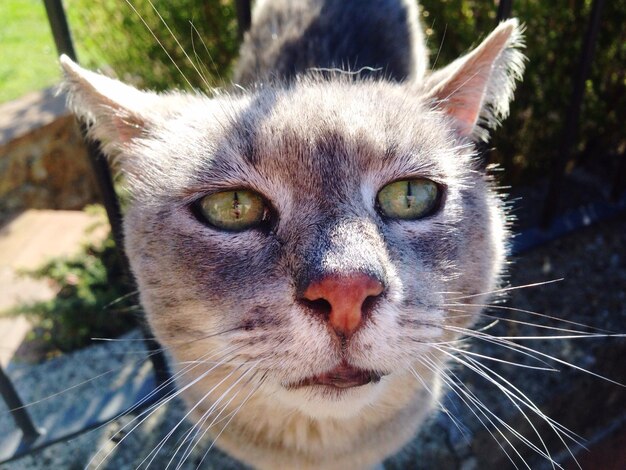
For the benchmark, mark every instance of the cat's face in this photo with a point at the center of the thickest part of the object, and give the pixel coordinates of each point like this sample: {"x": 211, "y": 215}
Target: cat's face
{"x": 319, "y": 165}
{"x": 329, "y": 303}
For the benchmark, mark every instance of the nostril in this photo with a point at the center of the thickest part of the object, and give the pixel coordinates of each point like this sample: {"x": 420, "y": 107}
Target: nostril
{"x": 320, "y": 306}
{"x": 369, "y": 304}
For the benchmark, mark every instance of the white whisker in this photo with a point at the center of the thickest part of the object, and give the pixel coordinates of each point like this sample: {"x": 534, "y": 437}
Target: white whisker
{"x": 206, "y": 49}
{"x": 443, "y": 408}
{"x": 495, "y": 359}
{"x": 160, "y": 445}
{"x": 534, "y": 351}
{"x": 464, "y": 395}
{"x": 159, "y": 42}
{"x": 202, "y": 422}
{"x": 515, "y": 396}
{"x": 191, "y": 62}
{"x": 506, "y": 289}
{"x": 530, "y": 312}
{"x": 150, "y": 410}
{"x": 246, "y": 399}
{"x": 498, "y": 341}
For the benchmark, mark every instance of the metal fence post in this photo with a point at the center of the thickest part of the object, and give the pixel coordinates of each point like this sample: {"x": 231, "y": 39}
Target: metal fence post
{"x": 60, "y": 29}
{"x": 64, "y": 44}
{"x": 244, "y": 16}
{"x": 505, "y": 8}
{"x": 16, "y": 408}
{"x": 572, "y": 116}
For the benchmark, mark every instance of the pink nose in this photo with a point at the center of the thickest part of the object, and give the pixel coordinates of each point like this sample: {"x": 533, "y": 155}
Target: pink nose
{"x": 347, "y": 296}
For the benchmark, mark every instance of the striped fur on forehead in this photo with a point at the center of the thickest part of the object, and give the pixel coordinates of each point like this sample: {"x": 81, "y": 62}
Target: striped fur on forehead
{"x": 303, "y": 132}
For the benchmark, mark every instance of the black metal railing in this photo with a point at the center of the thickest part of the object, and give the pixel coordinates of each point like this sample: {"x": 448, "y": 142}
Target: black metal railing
{"x": 552, "y": 226}
{"x": 572, "y": 117}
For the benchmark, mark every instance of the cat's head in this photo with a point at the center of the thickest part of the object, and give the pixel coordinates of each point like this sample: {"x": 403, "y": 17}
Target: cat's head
{"x": 319, "y": 239}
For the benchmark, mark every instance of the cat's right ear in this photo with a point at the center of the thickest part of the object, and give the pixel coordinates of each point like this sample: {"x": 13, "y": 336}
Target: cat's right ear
{"x": 475, "y": 90}
{"x": 115, "y": 113}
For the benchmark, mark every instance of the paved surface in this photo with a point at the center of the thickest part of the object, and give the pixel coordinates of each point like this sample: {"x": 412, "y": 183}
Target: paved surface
{"x": 26, "y": 242}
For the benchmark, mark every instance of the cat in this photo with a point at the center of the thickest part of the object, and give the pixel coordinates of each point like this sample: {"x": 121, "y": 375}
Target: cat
{"x": 301, "y": 242}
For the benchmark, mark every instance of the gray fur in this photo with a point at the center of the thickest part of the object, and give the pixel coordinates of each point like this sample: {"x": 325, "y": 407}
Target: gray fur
{"x": 318, "y": 147}
{"x": 290, "y": 37}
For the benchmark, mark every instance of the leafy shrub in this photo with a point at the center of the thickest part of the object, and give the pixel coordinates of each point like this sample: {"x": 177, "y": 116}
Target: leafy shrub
{"x": 530, "y": 138}
{"x": 115, "y": 36}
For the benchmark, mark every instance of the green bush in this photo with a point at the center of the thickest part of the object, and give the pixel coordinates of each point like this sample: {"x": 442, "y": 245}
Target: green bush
{"x": 196, "y": 51}
{"x": 530, "y": 138}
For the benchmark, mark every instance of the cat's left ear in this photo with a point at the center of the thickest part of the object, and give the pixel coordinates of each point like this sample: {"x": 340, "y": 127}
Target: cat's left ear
{"x": 114, "y": 112}
{"x": 475, "y": 90}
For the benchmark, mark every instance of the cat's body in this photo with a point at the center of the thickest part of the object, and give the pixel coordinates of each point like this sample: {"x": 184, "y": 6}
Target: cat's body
{"x": 381, "y": 37}
{"x": 309, "y": 340}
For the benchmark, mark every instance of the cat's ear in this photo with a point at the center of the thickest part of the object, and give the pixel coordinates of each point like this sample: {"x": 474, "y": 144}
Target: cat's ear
{"x": 114, "y": 112}
{"x": 475, "y": 90}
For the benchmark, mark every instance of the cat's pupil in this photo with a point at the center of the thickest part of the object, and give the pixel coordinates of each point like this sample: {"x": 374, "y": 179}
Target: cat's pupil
{"x": 236, "y": 206}
{"x": 409, "y": 196}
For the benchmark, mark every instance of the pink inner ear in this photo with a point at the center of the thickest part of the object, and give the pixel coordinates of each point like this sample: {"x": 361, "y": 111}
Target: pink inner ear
{"x": 464, "y": 117}
{"x": 466, "y": 91}
{"x": 462, "y": 93}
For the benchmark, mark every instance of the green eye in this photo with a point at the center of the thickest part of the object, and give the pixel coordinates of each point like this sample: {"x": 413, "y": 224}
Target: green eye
{"x": 233, "y": 210}
{"x": 408, "y": 199}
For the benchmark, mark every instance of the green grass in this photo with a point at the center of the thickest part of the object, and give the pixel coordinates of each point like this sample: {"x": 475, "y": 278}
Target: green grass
{"x": 28, "y": 57}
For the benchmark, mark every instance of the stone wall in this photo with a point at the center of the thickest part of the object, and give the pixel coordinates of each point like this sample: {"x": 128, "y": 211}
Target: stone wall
{"x": 43, "y": 160}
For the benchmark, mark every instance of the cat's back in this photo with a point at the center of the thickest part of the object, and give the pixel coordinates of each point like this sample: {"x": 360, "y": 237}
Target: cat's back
{"x": 289, "y": 37}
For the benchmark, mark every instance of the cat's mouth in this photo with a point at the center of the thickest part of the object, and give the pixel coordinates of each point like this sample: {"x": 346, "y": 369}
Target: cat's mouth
{"x": 342, "y": 376}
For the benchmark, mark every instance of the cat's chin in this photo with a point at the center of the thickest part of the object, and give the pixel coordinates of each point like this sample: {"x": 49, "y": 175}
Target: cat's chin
{"x": 322, "y": 401}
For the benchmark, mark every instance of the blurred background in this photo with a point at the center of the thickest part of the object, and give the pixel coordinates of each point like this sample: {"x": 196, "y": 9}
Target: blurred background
{"x": 561, "y": 159}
